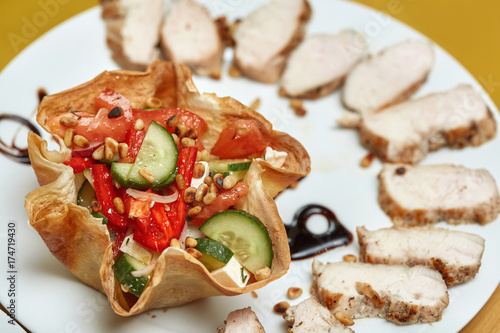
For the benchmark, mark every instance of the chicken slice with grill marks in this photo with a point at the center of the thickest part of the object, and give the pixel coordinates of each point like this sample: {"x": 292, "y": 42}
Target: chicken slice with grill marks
{"x": 455, "y": 254}
{"x": 388, "y": 77}
{"x": 425, "y": 194}
{"x": 242, "y": 321}
{"x": 190, "y": 36}
{"x": 406, "y": 132}
{"x": 310, "y": 316}
{"x": 320, "y": 64}
{"x": 401, "y": 294}
{"x": 265, "y": 38}
{"x": 132, "y": 31}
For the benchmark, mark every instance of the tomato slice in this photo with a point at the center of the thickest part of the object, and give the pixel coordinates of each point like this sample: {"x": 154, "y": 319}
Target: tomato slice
{"x": 222, "y": 202}
{"x": 189, "y": 119}
{"x": 240, "y": 139}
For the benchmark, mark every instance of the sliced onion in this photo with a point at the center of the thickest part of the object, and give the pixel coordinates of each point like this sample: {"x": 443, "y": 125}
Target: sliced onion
{"x": 141, "y": 195}
{"x": 145, "y": 271}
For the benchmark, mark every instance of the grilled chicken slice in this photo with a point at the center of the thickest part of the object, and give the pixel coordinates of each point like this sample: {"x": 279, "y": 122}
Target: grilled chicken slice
{"x": 401, "y": 294}
{"x": 190, "y": 36}
{"x": 418, "y": 195}
{"x": 408, "y": 131}
{"x": 132, "y": 31}
{"x": 455, "y": 254}
{"x": 310, "y": 316}
{"x": 264, "y": 39}
{"x": 387, "y": 78}
{"x": 242, "y": 321}
{"x": 320, "y": 64}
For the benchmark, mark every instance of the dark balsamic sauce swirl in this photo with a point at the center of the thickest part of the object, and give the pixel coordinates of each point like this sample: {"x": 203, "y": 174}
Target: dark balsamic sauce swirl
{"x": 12, "y": 151}
{"x": 305, "y": 244}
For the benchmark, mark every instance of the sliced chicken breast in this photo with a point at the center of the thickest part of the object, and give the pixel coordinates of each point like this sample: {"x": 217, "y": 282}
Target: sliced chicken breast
{"x": 455, "y": 254}
{"x": 310, "y": 316}
{"x": 264, "y": 39}
{"x": 425, "y": 194}
{"x": 387, "y": 78}
{"x": 320, "y": 64}
{"x": 190, "y": 36}
{"x": 132, "y": 31}
{"x": 242, "y": 321}
{"x": 401, "y": 294}
{"x": 408, "y": 131}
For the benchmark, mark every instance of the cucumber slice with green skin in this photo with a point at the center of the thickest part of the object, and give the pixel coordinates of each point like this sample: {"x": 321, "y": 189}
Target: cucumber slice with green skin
{"x": 85, "y": 197}
{"x": 123, "y": 269}
{"x": 158, "y": 154}
{"x": 244, "y": 234}
{"x": 214, "y": 254}
{"x": 220, "y": 166}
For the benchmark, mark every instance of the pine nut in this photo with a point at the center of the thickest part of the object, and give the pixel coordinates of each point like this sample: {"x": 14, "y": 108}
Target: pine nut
{"x": 367, "y": 160}
{"x": 192, "y": 212}
{"x": 81, "y": 141}
{"x": 180, "y": 130}
{"x": 199, "y": 170}
{"x": 173, "y": 120}
{"x": 255, "y": 104}
{"x": 176, "y": 139}
{"x": 68, "y": 137}
{"x": 191, "y": 133}
{"x": 296, "y": 103}
{"x": 153, "y": 102}
{"x": 350, "y": 258}
{"x": 204, "y": 155}
{"x": 229, "y": 182}
{"x": 209, "y": 198}
{"x": 139, "y": 124}
{"x": 98, "y": 154}
{"x": 95, "y": 206}
{"x": 219, "y": 180}
{"x": 191, "y": 242}
{"x": 281, "y": 307}
{"x": 213, "y": 188}
{"x": 148, "y": 175}
{"x": 187, "y": 142}
{"x": 189, "y": 195}
{"x": 294, "y": 292}
{"x": 68, "y": 121}
{"x": 208, "y": 180}
{"x": 175, "y": 243}
{"x": 120, "y": 207}
{"x": 263, "y": 273}
{"x": 344, "y": 318}
{"x": 122, "y": 150}
{"x": 179, "y": 180}
{"x": 194, "y": 252}
{"x": 201, "y": 192}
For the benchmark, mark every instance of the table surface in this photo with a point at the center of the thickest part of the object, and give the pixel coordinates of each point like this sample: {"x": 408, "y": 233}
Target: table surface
{"x": 468, "y": 30}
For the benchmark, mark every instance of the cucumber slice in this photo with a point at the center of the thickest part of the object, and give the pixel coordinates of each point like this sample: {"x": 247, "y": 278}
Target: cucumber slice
{"x": 244, "y": 234}
{"x": 85, "y": 197}
{"x": 214, "y": 254}
{"x": 220, "y": 166}
{"x": 123, "y": 269}
{"x": 158, "y": 154}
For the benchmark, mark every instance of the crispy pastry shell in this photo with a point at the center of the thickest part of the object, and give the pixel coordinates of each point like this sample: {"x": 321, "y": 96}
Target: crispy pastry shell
{"x": 81, "y": 243}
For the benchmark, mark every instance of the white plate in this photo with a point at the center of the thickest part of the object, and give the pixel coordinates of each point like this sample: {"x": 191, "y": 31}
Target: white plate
{"x": 50, "y": 299}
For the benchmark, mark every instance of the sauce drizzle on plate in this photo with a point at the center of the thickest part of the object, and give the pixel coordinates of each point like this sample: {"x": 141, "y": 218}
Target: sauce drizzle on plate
{"x": 304, "y": 243}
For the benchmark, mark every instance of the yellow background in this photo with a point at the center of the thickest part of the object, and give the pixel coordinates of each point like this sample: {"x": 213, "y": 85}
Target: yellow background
{"x": 468, "y": 29}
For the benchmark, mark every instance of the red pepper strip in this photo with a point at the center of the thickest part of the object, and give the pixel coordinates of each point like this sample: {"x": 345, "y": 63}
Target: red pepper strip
{"x": 154, "y": 231}
{"x": 134, "y": 142}
{"x": 222, "y": 202}
{"x": 79, "y": 163}
{"x": 185, "y": 164}
{"x": 105, "y": 193}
